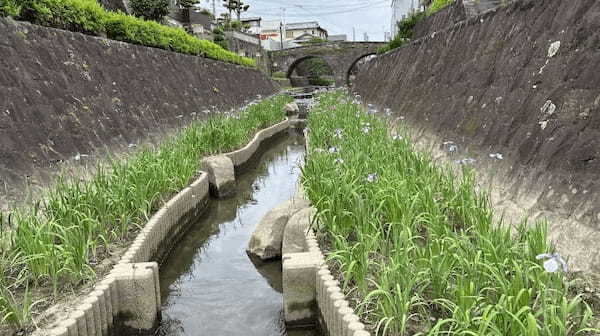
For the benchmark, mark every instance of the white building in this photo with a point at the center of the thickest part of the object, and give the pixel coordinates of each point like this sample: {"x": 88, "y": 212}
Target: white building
{"x": 400, "y": 10}
{"x": 254, "y": 24}
{"x": 294, "y": 34}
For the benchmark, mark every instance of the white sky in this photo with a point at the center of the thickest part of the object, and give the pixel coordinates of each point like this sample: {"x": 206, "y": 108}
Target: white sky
{"x": 336, "y": 16}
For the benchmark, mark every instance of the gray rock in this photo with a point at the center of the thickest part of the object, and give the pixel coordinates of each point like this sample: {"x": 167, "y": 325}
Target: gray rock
{"x": 294, "y": 237}
{"x": 221, "y": 175}
{"x": 291, "y": 109}
{"x": 553, "y": 49}
{"x": 267, "y": 238}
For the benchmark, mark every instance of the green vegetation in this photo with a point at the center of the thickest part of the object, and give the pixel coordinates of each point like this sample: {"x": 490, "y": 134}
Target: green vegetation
{"x": 56, "y": 243}
{"x": 320, "y": 81}
{"x": 236, "y": 6}
{"x": 219, "y": 38}
{"x": 417, "y": 245}
{"x": 406, "y": 26}
{"x": 279, "y": 74}
{"x": 154, "y": 10}
{"x": 87, "y": 16}
{"x": 437, "y": 5}
{"x": 315, "y": 40}
{"x": 207, "y": 12}
{"x": 315, "y": 68}
{"x": 405, "y": 32}
{"x": 9, "y": 8}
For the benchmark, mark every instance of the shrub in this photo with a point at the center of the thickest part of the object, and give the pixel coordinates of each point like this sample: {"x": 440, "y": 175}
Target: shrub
{"x": 316, "y": 40}
{"x": 320, "y": 81}
{"x": 207, "y": 12}
{"x": 9, "y": 8}
{"x": 219, "y": 38}
{"x": 437, "y": 5}
{"x": 87, "y": 16}
{"x": 279, "y": 74}
{"x": 405, "y": 32}
{"x": 406, "y": 26}
{"x": 154, "y": 10}
{"x": 236, "y": 25}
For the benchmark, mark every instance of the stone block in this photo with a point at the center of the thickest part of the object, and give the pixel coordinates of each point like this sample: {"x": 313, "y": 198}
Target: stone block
{"x": 291, "y": 109}
{"x": 267, "y": 239}
{"x": 139, "y": 296}
{"x": 294, "y": 236}
{"x": 221, "y": 175}
{"x": 299, "y": 291}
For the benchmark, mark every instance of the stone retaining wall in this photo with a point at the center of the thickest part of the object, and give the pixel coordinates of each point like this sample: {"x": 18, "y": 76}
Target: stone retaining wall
{"x": 520, "y": 81}
{"x": 128, "y": 299}
{"x": 67, "y": 98}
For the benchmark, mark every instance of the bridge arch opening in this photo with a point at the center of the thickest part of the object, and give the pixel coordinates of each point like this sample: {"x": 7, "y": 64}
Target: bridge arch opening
{"x": 310, "y": 70}
{"x": 357, "y": 65}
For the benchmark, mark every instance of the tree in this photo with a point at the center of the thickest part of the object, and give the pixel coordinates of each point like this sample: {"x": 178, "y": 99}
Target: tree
{"x": 236, "y": 6}
{"x": 219, "y": 38}
{"x": 150, "y": 9}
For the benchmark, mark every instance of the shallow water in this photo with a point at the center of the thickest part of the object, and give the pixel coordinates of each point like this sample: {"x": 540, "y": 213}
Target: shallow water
{"x": 209, "y": 285}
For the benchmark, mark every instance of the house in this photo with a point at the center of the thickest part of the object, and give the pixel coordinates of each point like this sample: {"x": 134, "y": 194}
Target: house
{"x": 295, "y": 30}
{"x": 254, "y": 24}
{"x": 291, "y": 31}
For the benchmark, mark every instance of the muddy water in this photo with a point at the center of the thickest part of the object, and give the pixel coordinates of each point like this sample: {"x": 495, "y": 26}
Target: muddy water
{"x": 209, "y": 285}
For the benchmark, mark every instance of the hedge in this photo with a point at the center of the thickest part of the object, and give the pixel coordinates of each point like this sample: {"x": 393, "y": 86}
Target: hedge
{"x": 87, "y": 16}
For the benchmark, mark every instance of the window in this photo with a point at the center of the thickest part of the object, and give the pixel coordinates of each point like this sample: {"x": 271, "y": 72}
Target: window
{"x": 289, "y": 34}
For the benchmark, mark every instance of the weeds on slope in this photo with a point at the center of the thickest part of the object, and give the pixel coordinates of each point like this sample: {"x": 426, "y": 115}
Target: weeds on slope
{"x": 418, "y": 246}
{"x": 59, "y": 240}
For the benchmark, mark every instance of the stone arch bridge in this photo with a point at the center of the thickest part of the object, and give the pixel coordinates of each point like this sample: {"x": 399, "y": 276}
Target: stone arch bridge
{"x": 341, "y": 57}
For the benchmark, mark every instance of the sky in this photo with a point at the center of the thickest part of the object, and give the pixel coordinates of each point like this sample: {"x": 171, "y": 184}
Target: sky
{"x": 336, "y": 16}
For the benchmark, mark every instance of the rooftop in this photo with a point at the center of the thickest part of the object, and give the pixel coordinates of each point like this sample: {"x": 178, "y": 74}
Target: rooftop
{"x": 252, "y": 18}
{"x": 303, "y": 25}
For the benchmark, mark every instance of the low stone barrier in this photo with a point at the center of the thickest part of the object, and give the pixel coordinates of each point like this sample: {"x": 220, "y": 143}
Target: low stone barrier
{"x": 241, "y": 156}
{"x": 311, "y": 293}
{"x": 128, "y": 298}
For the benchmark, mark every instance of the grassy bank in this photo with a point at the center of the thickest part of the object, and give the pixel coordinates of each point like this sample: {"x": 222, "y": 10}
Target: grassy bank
{"x": 418, "y": 247}
{"x": 56, "y": 244}
{"x": 89, "y": 17}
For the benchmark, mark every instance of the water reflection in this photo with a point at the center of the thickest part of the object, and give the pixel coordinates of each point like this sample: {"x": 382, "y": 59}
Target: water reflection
{"x": 209, "y": 285}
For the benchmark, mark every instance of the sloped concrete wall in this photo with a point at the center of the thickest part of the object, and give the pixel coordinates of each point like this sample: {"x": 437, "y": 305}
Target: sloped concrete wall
{"x": 64, "y": 93}
{"x": 521, "y": 81}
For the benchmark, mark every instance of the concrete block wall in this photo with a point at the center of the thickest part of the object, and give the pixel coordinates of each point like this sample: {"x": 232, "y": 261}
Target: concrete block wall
{"x": 128, "y": 298}
{"x": 312, "y": 293}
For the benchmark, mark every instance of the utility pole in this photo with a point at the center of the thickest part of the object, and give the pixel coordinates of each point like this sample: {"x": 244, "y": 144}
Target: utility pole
{"x": 283, "y": 20}
{"x": 281, "y": 33}
{"x": 353, "y": 34}
{"x": 214, "y": 8}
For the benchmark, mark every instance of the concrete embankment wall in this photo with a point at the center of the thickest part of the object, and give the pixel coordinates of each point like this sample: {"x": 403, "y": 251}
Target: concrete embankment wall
{"x": 522, "y": 81}
{"x": 64, "y": 93}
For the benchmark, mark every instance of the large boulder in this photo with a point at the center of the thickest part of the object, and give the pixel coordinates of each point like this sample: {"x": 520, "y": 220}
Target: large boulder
{"x": 294, "y": 236}
{"x": 267, "y": 238}
{"x": 221, "y": 175}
